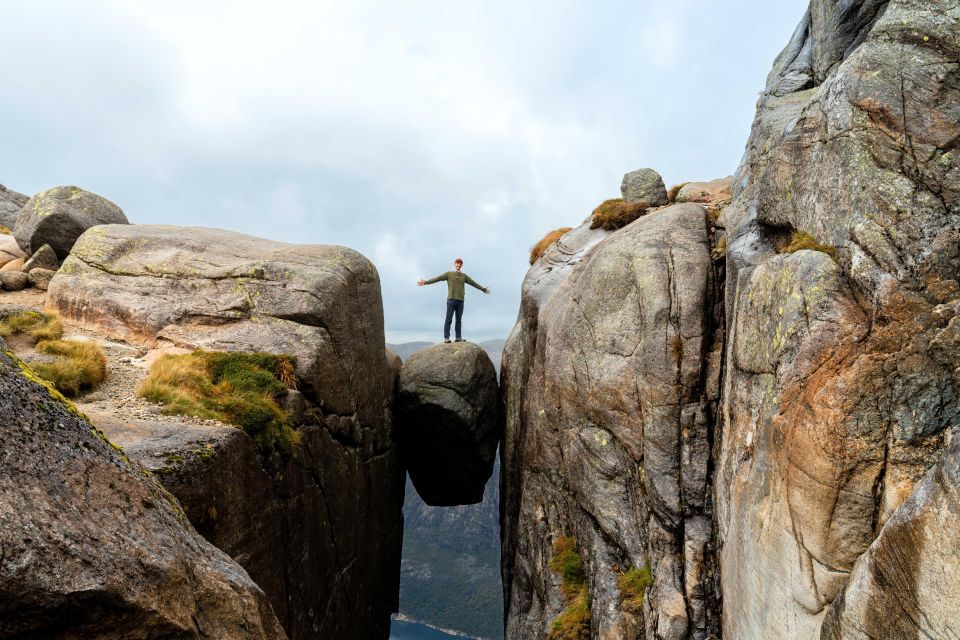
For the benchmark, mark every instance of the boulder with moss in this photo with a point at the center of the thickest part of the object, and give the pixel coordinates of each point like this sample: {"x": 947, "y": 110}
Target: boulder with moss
{"x": 448, "y": 422}
{"x": 327, "y": 513}
{"x": 59, "y": 216}
{"x": 93, "y": 547}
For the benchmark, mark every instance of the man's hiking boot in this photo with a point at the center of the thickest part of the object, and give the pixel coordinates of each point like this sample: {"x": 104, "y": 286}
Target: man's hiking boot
{"x": 446, "y": 341}
{"x": 459, "y": 340}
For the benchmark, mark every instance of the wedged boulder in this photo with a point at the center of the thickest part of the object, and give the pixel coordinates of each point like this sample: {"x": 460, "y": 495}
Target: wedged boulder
{"x": 93, "y": 547}
{"x": 9, "y": 250}
{"x": 609, "y": 391}
{"x": 907, "y": 584}
{"x": 321, "y": 531}
{"x": 11, "y": 203}
{"x": 43, "y": 258}
{"x": 448, "y": 422}
{"x": 59, "y": 216}
{"x": 644, "y": 187}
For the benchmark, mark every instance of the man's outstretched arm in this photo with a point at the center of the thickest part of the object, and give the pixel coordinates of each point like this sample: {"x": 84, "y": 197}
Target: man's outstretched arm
{"x": 470, "y": 281}
{"x": 439, "y": 278}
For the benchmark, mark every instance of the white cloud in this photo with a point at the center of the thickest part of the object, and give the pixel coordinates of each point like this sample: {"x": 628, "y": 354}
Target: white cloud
{"x": 411, "y": 131}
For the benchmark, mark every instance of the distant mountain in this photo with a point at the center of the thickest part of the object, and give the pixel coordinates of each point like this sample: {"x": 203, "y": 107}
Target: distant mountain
{"x": 405, "y": 349}
{"x": 450, "y": 568}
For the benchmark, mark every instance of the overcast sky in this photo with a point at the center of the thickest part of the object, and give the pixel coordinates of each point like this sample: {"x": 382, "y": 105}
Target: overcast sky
{"x": 413, "y": 131}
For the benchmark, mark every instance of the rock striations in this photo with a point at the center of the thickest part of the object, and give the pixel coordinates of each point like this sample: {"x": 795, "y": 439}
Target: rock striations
{"x": 92, "y": 547}
{"x": 758, "y": 406}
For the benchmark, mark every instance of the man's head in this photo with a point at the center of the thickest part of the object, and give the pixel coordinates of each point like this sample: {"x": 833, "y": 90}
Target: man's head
{"x": 458, "y": 263}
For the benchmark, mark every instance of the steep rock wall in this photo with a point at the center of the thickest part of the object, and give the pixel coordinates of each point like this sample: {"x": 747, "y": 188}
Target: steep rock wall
{"x": 320, "y": 531}
{"x": 607, "y": 435}
{"x": 840, "y": 389}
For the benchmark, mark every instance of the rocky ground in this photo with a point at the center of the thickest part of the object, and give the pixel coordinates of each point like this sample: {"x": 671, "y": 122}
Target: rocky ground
{"x": 127, "y": 365}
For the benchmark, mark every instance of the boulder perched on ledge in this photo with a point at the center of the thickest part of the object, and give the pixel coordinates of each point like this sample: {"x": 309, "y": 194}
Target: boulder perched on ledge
{"x": 60, "y": 215}
{"x": 448, "y": 413}
{"x": 91, "y": 546}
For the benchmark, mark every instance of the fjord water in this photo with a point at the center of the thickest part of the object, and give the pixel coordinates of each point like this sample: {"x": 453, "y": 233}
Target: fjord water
{"x": 400, "y": 630}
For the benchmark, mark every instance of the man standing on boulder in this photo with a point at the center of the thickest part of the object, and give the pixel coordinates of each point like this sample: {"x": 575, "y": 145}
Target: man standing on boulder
{"x": 455, "y": 291}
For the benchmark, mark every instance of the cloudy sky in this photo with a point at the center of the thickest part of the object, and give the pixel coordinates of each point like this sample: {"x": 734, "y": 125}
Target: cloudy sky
{"x": 413, "y": 131}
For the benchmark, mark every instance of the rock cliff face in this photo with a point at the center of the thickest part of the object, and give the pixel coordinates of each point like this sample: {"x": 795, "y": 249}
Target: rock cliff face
{"x": 610, "y": 382}
{"x": 783, "y": 494}
{"x": 90, "y": 547}
{"x": 321, "y": 531}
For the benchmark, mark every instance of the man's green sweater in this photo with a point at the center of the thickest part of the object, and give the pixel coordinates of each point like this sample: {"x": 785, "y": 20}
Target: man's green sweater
{"x": 455, "y": 281}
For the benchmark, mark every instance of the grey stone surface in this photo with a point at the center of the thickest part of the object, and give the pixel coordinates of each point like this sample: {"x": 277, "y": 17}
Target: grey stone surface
{"x": 608, "y": 428}
{"x": 40, "y": 278}
{"x": 9, "y": 249}
{"x": 43, "y": 258}
{"x": 645, "y": 187}
{"x": 907, "y": 584}
{"x": 448, "y": 422}
{"x": 13, "y": 280}
{"x": 95, "y": 548}
{"x": 60, "y": 215}
{"x": 332, "y": 514}
{"x": 10, "y": 204}
{"x": 840, "y": 383}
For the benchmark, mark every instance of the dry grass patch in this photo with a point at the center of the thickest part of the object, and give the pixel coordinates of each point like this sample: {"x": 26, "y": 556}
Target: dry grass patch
{"x": 39, "y": 326}
{"x": 573, "y": 623}
{"x": 5, "y": 231}
{"x": 802, "y": 240}
{"x": 674, "y": 190}
{"x": 541, "y": 247}
{"x": 615, "y": 214}
{"x": 242, "y": 389}
{"x": 80, "y": 365}
{"x": 633, "y": 585}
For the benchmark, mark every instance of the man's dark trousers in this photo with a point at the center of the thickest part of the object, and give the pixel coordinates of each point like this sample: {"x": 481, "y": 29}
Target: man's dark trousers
{"x": 453, "y": 306}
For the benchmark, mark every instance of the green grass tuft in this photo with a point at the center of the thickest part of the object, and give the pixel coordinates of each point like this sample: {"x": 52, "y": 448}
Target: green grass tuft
{"x": 39, "y": 326}
{"x": 614, "y": 214}
{"x": 573, "y": 623}
{"x": 80, "y": 365}
{"x": 633, "y": 585}
{"x": 238, "y": 388}
{"x": 802, "y": 240}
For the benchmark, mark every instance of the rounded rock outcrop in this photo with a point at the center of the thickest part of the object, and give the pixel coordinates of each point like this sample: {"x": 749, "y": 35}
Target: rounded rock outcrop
{"x": 644, "y": 187}
{"x": 60, "y": 215}
{"x": 448, "y": 413}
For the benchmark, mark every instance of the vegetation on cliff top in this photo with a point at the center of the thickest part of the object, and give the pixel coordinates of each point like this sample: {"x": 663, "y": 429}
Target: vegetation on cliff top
{"x": 803, "y": 240}
{"x": 573, "y": 623}
{"x": 541, "y": 247}
{"x": 78, "y": 365}
{"x": 614, "y": 214}
{"x": 39, "y": 326}
{"x": 242, "y": 389}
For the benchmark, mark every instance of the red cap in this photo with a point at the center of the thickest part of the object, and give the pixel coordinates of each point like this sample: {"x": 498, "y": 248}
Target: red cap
{"x": 460, "y": 260}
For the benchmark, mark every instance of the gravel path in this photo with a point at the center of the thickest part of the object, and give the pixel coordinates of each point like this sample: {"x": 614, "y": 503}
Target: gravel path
{"x": 127, "y": 366}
